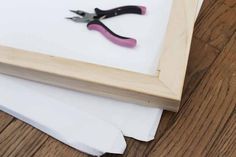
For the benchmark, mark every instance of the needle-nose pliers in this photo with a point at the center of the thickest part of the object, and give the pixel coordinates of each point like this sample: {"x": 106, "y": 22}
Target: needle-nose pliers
{"x": 94, "y": 23}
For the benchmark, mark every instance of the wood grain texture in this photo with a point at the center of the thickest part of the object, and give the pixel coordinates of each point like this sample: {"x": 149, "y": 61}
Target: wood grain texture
{"x": 54, "y": 148}
{"x": 20, "y": 139}
{"x": 5, "y": 119}
{"x": 225, "y": 144}
{"x": 201, "y": 58}
{"x": 205, "y": 125}
{"x": 216, "y": 23}
{"x": 90, "y": 78}
{"x": 174, "y": 57}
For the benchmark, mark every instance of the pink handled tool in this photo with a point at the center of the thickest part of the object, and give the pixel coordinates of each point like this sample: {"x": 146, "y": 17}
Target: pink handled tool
{"x": 119, "y": 40}
{"x": 94, "y": 22}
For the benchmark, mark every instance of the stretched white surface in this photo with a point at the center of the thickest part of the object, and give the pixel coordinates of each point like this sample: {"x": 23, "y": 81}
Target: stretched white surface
{"x": 83, "y": 121}
{"x": 40, "y": 25}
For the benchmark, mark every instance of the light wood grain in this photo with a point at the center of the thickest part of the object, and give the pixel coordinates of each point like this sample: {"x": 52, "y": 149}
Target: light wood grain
{"x": 85, "y": 77}
{"x": 175, "y": 53}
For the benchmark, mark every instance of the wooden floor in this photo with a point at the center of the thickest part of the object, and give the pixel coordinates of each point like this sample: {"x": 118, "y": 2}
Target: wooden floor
{"x": 206, "y": 123}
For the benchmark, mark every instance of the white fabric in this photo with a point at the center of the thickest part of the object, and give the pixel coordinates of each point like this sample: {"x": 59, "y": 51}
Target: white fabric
{"x": 91, "y": 124}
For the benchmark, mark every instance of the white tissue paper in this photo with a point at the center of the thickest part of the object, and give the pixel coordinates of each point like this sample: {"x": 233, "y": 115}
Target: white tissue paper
{"x": 67, "y": 123}
{"x": 92, "y": 124}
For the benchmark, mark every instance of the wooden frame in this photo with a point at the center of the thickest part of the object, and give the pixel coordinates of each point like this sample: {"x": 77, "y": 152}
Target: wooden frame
{"x": 164, "y": 91}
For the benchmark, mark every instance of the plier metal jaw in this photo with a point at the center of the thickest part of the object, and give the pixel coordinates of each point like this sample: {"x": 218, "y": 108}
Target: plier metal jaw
{"x": 83, "y": 17}
{"x": 94, "y": 23}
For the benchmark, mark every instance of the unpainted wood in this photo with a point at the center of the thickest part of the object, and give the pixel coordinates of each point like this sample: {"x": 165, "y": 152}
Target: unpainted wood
{"x": 174, "y": 58}
{"x": 100, "y": 80}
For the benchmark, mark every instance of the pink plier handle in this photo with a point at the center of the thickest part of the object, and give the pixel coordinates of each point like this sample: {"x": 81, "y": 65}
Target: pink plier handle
{"x": 117, "y": 39}
{"x": 97, "y": 25}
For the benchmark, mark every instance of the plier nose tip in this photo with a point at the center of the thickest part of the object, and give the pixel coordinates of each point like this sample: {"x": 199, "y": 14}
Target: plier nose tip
{"x": 77, "y": 19}
{"x": 79, "y": 12}
{"x": 69, "y": 18}
{"x": 73, "y": 11}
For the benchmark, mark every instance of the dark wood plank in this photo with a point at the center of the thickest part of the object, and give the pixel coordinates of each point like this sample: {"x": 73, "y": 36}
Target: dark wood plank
{"x": 217, "y": 23}
{"x": 20, "y": 139}
{"x": 207, "y": 4}
{"x": 204, "y": 116}
{"x": 225, "y": 144}
{"x": 201, "y": 58}
{"x": 54, "y": 148}
{"x": 5, "y": 120}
